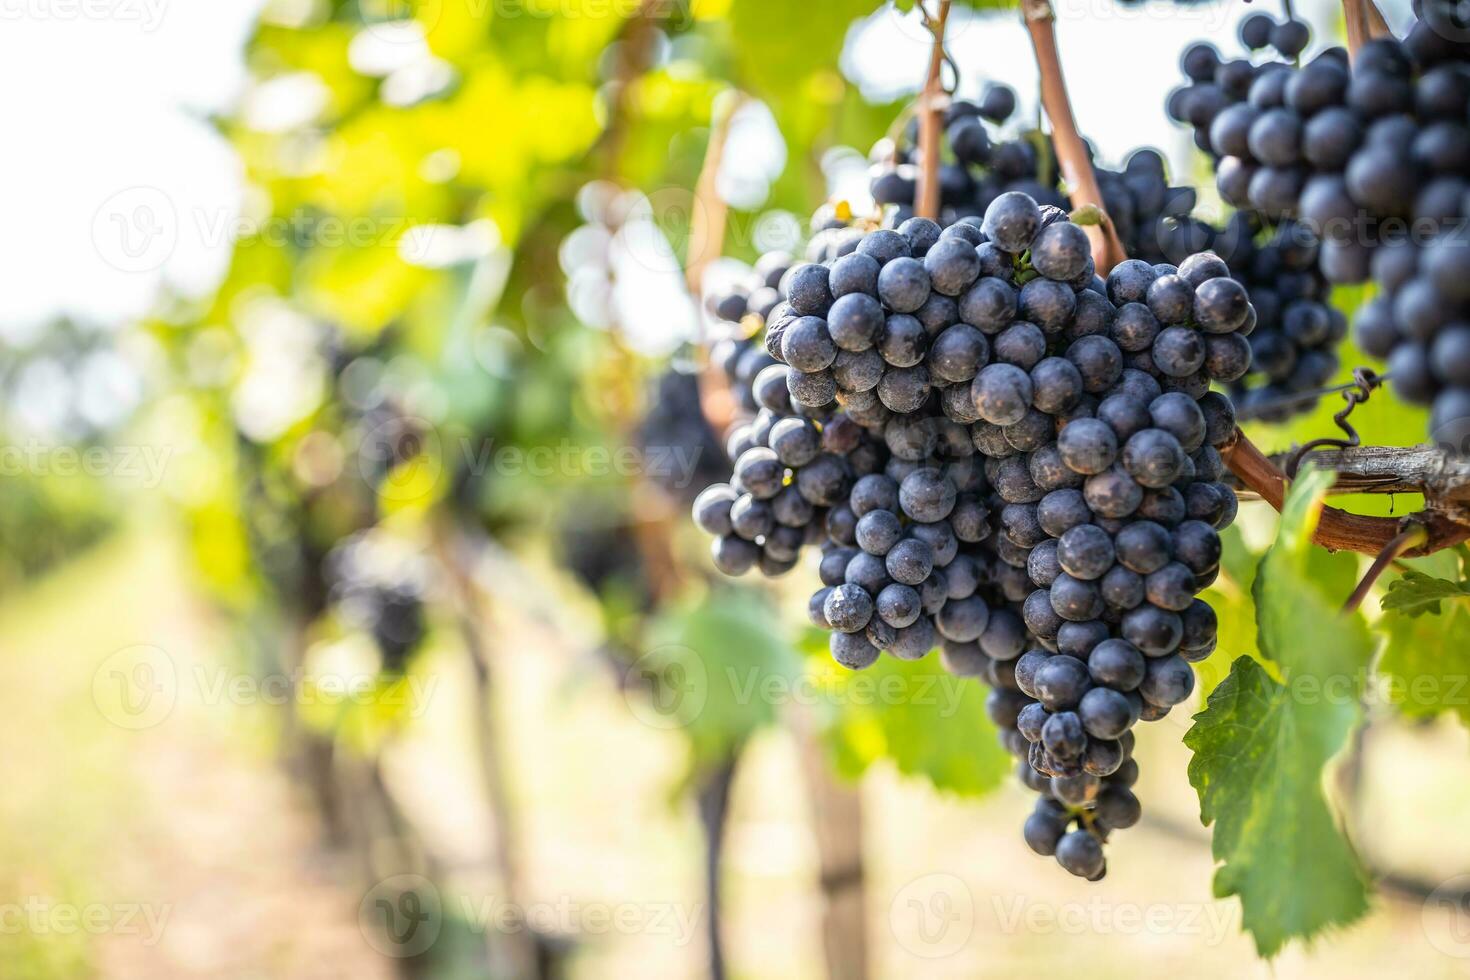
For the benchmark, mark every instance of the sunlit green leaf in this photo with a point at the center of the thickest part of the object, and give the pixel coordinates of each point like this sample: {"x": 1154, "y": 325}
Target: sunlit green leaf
{"x": 1264, "y": 737}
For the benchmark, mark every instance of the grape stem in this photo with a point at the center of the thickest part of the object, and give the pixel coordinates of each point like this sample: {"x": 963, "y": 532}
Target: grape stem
{"x": 1364, "y": 23}
{"x": 458, "y": 553}
{"x": 1393, "y": 469}
{"x": 706, "y": 243}
{"x": 1410, "y": 537}
{"x": 707, "y": 219}
{"x": 931, "y": 105}
{"x": 1072, "y": 153}
{"x": 1338, "y": 530}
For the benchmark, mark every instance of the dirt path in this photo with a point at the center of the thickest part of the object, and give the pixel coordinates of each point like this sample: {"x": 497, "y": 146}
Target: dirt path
{"x": 154, "y": 838}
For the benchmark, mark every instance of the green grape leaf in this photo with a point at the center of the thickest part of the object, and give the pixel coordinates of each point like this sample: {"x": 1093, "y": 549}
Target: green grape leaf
{"x": 1416, "y": 594}
{"x": 927, "y": 722}
{"x": 1426, "y": 662}
{"x": 1264, "y": 737}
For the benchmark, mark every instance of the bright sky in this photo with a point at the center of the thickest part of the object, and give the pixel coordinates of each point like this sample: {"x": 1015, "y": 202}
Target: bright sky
{"x": 114, "y": 183}
{"x": 104, "y": 120}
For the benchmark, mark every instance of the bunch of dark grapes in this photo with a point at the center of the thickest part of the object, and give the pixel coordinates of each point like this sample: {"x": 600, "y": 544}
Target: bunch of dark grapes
{"x": 1294, "y": 345}
{"x": 1408, "y": 173}
{"x": 1152, "y": 217}
{"x": 383, "y": 597}
{"x": 1372, "y": 159}
{"x": 1000, "y": 453}
{"x": 674, "y": 431}
{"x": 1216, "y": 85}
{"x": 1154, "y": 220}
{"x": 738, "y": 354}
{"x": 983, "y": 165}
{"x": 1122, "y": 539}
{"x": 1243, "y": 115}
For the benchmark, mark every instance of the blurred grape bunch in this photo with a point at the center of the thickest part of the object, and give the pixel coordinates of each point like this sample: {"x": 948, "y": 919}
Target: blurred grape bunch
{"x": 378, "y": 586}
{"x": 983, "y": 166}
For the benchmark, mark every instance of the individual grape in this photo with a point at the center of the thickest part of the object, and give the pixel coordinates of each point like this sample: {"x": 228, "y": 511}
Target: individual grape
{"x": 989, "y": 306}
{"x": 1116, "y": 664}
{"x": 1087, "y": 446}
{"x": 1002, "y": 393}
{"x": 1061, "y": 251}
{"x": 1080, "y": 853}
{"x": 853, "y": 651}
{"x": 734, "y": 555}
{"x": 1085, "y": 552}
{"x": 952, "y": 266}
{"x": 1155, "y": 631}
{"x": 712, "y": 509}
{"x": 1061, "y": 682}
{"x": 848, "y": 608}
{"x": 1021, "y": 344}
{"x": 1107, "y": 713}
{"x": 903, "y": 341}
{"x": 1011, "y": 222}
{"x": 806, "y": 289}
{"x": 958, "y": 354}
{"x": 910, "y": 561}
{"x": 1043, "y": 831}
{"x": 1153, "y": 458}
{"x": 1167, "y": 681}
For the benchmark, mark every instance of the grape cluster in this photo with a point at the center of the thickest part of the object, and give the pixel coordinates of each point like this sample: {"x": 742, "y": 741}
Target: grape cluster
{"x": 372, "y": 589}
{"x": 1371, "y": 160}
{"x": 738, "y": 354}
{"x": 1407, "y": 169}
{"x": 1154, "y": 220}
{"x": 674, "y": 425}
{"x": 1240, "y": 112}
{"x": 1294, "y": 345}
{"x": 1000, "y": 453}
{"x": 983, "y": 167}
{"x": 1229, "y": 92}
